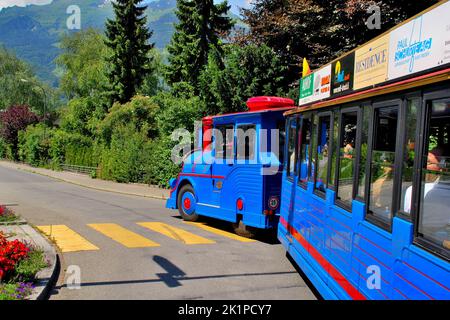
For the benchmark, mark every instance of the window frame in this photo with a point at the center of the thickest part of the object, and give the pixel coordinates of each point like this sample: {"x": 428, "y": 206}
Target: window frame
{"x": 415, "y": 214}
{"x": 225, "y": 158}
{"x": 320, "y": 116}
{"x": 291, "y": 175}
{"x": 310, "y": 116}
{"x": 350, "y": 109}
{"x": 373, "y": 219}
{"x": 255, "y": 147}
{"x": 416, "y": 166}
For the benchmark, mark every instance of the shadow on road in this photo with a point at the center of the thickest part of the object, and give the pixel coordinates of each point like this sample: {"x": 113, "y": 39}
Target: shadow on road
{"x": 265, "y": 236}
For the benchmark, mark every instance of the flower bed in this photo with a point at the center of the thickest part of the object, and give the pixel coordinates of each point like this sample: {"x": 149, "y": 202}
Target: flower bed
{"x": 19, "y": 264}
{"x": 7, "y": 215}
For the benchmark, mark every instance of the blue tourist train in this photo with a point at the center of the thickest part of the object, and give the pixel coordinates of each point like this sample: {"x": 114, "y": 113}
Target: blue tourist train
{"x": 235, "y": 174}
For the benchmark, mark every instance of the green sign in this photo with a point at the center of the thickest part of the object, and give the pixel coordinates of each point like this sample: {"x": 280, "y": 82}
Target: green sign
{"x": 307, "y": 86}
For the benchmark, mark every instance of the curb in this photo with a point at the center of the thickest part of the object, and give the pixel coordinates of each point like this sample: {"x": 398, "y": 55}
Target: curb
{"x": 46, "y": 278}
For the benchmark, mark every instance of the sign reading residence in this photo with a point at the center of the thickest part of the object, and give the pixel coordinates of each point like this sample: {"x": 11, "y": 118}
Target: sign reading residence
{"x": 342, "y": 74}
{"x": 317, "y": 86}
{"x": 371, "y": 63}
{"x": 421, "y": 44}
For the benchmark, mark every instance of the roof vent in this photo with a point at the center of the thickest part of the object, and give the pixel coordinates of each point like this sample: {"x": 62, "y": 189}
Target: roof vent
{"x": 264, "y": 103}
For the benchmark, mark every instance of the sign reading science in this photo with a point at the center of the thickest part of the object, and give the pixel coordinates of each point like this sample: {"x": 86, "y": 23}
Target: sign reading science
{"x": 371, "y": 63}
{"x": 316, "y": 86}
{"x": 421, "y": 44}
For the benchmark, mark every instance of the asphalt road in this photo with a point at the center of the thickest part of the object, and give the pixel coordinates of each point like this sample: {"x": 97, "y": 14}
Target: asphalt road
{"x": 226, "y": 268}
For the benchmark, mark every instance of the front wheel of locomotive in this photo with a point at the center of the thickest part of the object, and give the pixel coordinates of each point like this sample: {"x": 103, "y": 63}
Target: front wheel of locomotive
{"x": 187, "y": 203}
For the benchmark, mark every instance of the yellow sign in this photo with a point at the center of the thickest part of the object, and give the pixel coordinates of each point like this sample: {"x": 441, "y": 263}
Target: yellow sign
{"x": 371, "y": 63}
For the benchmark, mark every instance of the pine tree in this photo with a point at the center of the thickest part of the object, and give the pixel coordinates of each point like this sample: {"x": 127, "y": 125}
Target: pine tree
{"x": 128, "y": 38}
{"x": 201, "y": 26}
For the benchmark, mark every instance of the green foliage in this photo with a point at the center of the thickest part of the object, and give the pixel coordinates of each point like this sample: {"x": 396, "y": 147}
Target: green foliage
{"x": 247, "y": 71}
{"x": 140, "y": 112}
{"x": 19, "y": 86}
{"x": 177, "y": 113}
{"x": 5, "y": 150}
{"x": 201, "y": 26}
{"x": 72, "y": 148}
{"x": 26, "y": 269}
{"x": 82, "y": 116}
{"x": 159, "y": 168}
{"x": 82, "y": 62}
{"x": 123, "y": 160}
{"x": 34, "y": 145}
{"x": 128, "y": 39}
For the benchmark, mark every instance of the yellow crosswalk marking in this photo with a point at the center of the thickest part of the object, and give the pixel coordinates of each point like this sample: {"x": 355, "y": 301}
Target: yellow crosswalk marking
{"x": 223, "y": 233}
{"x": 123, "y": 236}
{"x": 175, "y": 233}
{"x": 67, "y": 239}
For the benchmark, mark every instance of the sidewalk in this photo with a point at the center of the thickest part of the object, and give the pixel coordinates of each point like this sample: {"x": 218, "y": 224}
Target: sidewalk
{"x": 134, "y": 189}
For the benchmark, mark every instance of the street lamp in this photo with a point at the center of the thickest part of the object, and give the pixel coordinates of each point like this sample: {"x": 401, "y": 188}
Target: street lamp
{"x": 45, "y": 104}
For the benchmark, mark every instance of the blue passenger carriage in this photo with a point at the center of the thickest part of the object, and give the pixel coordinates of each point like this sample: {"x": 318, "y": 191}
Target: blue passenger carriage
{"x": 366, "y": 185}
{"x": 235, "y": 175}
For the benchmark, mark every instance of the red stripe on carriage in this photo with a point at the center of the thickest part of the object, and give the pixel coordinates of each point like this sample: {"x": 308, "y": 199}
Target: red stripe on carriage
{"x": 199, "y": 175}
{"x": 327, "y": 266}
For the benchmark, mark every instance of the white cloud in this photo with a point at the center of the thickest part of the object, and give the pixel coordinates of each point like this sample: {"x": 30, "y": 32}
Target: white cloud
{"x": 21, "y": 3}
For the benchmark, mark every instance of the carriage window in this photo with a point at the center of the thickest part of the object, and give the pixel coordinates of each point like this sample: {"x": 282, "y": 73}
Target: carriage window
{"x": 292, "y": 136}
{"x": 323, "y": 154}
{"x": 347, "y": 157}
{"x": 363, "y": 154}
{"x": 305, "y": 142}
{"x": 434, "y": 215}
{"x": 224, "y": 141}
{"x": 383, "y": 163}
{"x": 246, "y": 142}
{"x": 409, "y": 155}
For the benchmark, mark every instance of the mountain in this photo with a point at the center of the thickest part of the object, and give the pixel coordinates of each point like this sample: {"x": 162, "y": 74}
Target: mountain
{"x": 33, "y": 32}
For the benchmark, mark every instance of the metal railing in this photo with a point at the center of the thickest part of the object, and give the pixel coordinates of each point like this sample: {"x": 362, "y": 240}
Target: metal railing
{"x": 78, "y": 169}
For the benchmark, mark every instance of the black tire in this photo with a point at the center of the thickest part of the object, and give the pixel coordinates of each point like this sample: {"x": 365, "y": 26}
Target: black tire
{"x": 244, "y": 231}
{"x": 193, "y": 216}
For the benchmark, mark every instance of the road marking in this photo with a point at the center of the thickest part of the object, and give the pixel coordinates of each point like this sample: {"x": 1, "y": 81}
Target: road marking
{"x": 175, "y": 233}
{"x": 67, "y": 239}
{"x": 123, "y": 236}
{"x": 223, "y": 233}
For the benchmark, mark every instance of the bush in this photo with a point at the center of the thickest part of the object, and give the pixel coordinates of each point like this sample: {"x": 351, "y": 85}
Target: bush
{"x": 73, "y": 149}
{"x": 159, "y": 167}
{"x": 12, "y": 121}
{"x": 34, "y": 145}
{"x": 177, "y": 112}
{"x": 140, "y": 112}
{"x": 5, "y": 149}
{"x": 123, "y": 160}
